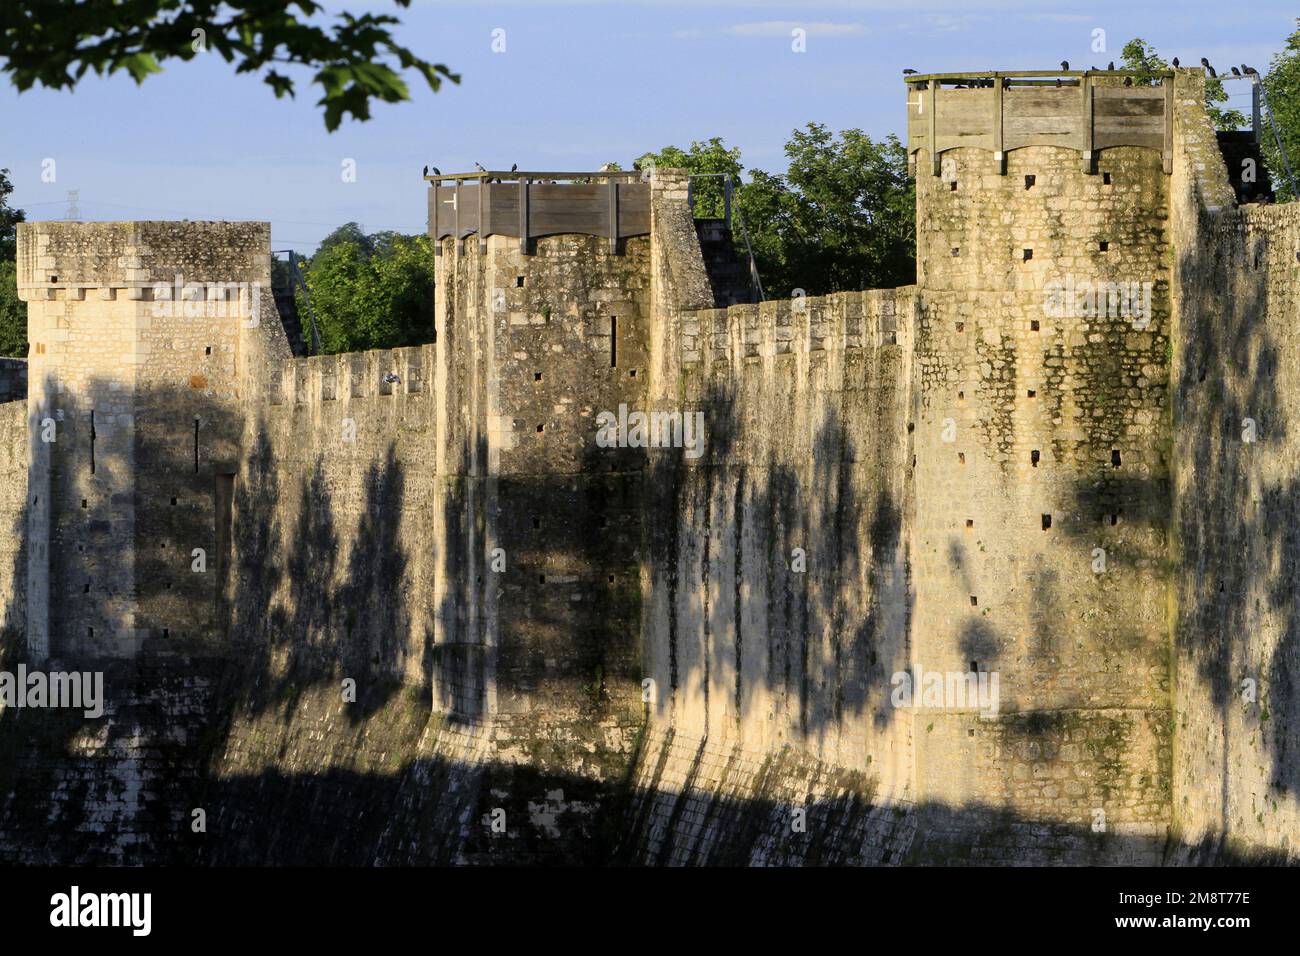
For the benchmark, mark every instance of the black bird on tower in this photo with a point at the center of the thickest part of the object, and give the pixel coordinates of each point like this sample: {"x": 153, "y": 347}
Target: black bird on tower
{"x": 1175, "y": 63}
{"x": 1065, "y": 64}
{"x": 1208, "y": 69}
{"x": 1236, "y": 72}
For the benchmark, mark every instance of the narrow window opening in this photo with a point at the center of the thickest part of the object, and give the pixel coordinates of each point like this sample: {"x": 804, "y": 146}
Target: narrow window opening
{"x": 1030, "y": 393}
{"x": 961, "y": 326}
{"x": 632, "y": 374}
{"x": 1114, "y": 458}
{"x": 613, "y": 341}
{"x": 1105, "y": 179}
{"x": 952, "y": 186}
{"x": 86, "y": 588}
{"x": 961, "y": 458}
{"x": 1028, "y": 254}
{"x": 975, "y": 666}
{"x": 539, "y": 429}
{"x": 519, "y": 282}
{"x": 196, "y": 446}
{"x": 1033, "y": 457}
{"x": 92, "y": 441}
{"x": 537, "y": 524}
{"x": 974, "y": 601}
{"x": 1033, "y": 325}
{"x": 1103, "y": 245}
{"x": 537, "y": 376}
{"x": 90, "y": 632}
{"x": 83, "y": 502}
{"x": 1029, "y": 182}
{"x": 207, "y": 350}
{"x": 1047, "y": 522}
{"x": 911, "y": 427}
{"x": 541, "y": 579}
{"x": 611, "y": 579}
{"x": 961, "y": 396}
{"x": 956, "y": 251}
{"x": 166, "y": 633}
{"x": 970, "y": 522}
{"x": 1114, "y": 520}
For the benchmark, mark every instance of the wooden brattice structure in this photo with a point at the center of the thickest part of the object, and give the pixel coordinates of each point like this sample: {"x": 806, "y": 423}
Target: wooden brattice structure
{"x": 1086, "y": 111}
{"x": 527, "y": 205}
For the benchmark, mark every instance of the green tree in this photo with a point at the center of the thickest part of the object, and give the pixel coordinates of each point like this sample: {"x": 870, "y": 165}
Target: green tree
{"x": 371, "y": 292}
{"x": 1282, "y": 87}
{"x": 703, "y": 157}
{"x": 842, "y": 216}
{"x": 13, "y": 312}
{"x": 354, "y": 58}
{"x": 1140, "y": 56}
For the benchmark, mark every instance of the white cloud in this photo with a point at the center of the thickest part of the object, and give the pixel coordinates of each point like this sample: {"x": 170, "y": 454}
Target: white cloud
{"x": 783, "y": 28}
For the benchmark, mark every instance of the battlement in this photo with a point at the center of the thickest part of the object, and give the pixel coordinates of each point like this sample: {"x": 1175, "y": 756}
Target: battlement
{"x": 841, "y": 320}
{"x": 377, "y": 373}
{"x": 998, "y": 112}
{"x": 142, "y": 260}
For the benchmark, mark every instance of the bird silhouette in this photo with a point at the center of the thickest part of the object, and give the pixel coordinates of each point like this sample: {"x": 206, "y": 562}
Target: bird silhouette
{"x": 1065, "y": 64}
{"x": 1249, "y": 70}
{"x": 514, "y": 167}
{"x": 1175, "y": 63}
{"x": 1110, "y": 65}
{"x": 1236, "y": 72}
{"x": 479, "y": 167}
{"x": 426, "y": 171}
{"x": 909, "y": 72}
{"x": 1208, "y": 69}
{"x": 437, "y": 171}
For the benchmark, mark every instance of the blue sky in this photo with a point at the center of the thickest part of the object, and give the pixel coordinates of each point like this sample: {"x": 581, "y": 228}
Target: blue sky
{"x": 580, "y": 83}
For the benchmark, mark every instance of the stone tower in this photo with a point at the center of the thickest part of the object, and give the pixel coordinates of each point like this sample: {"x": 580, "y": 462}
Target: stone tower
{"x": 542, "y": 315}
{"x": 135, "y": 372}
{"x": 1042, "y": 436}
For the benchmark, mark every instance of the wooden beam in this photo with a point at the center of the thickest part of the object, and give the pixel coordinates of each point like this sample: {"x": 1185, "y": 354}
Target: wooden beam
{"x": 934, "y": 142}
{"x": 1086, "y": 86}
{"x": 999, "y": 154}
{"x": 523, "y": 216}
{"x": 613, "y": 217}
{"x": 1169, "y": 126}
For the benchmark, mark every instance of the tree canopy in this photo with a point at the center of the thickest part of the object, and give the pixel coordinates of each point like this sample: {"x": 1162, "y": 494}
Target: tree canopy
{"x": 13, "y": 312}
{"x": 1282, "y": 87}
{"x": 355, "y": 58}
{"x": 370, "y": 291}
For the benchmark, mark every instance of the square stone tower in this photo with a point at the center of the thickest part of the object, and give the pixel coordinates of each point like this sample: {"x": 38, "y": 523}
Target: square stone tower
{"x": 135, "y": 332}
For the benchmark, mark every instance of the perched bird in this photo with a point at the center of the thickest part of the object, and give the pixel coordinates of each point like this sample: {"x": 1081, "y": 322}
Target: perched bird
{"x": 1110, "y": 65}
{"x": 1128, "y": 81}
{"x": 479, "y": 167}
{"x": 909, "y": 72}
{"x": 1236, "y": 72}
{"x": 1065, "y": 64}
{"x": 1175, "y": 63}
{"x": 1208, "y": 69}
{"x": 426, "y": 171}
{"x": 514, "y": 167}
{"x": 1249, "y": 70}
{"x": 437, "y": 171}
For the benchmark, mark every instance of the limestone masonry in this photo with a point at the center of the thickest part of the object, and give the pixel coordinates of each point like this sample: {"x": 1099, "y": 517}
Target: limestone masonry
{"x": 402, "y": 607}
